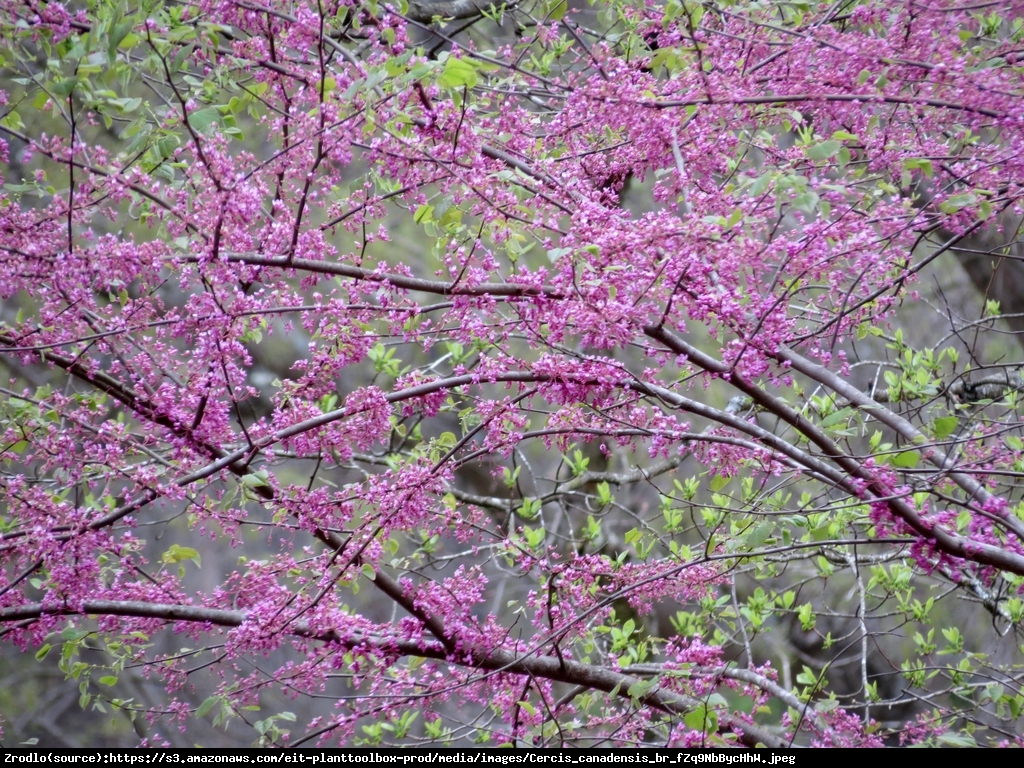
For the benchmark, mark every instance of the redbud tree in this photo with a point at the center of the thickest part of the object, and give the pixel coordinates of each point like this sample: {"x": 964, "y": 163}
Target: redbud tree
{"x": 528, "y": 375}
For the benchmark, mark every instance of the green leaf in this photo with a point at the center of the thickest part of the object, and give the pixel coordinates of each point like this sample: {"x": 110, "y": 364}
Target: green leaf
{"x": 821, "y": 533}
{"x": 65, "y": 87}
{"x": 944, "y": 426}
{"x": 702, "y": 719}
{"x": 204, "y": 118}
{"x": 718, "y": 482}
{"x": 166, "y": 146}
{"x": 957, "y": 740}
{"x": 72, "y": 634}
{"x": 177, "y": 554}
{"x": 117, "y": 35}
{"x": 922, "y": 164}
{"x": 806, "y": 202}
{"x": 368, "y": 572}
{"x": 255, "y": 479}
{"x": 457, "y": 73}
{"x": 955, "y": 203}
{"x": 760, "y": 535}
{"x": 640, "y": 688}
{"x": 207, "y": 706}
{"x": 824, "y": 150}
{"x": 761, "y": 184}
{"x": 807, "y": 677}
{"x": 907, "y": 459}
{"x": 837, "y": 417}
{"x": 555, "y": 254}
{"x": 12, "y": 120}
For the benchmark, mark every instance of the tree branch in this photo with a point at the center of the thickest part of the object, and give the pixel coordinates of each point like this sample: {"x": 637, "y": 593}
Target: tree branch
{"x": 547, "y": 667}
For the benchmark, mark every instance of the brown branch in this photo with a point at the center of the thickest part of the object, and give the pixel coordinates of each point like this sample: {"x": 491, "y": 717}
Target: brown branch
{"x": 974, "y": 490}
{"x": 424, "y": 11}
{"x": 386, "y": 278}
{"x": 850, "y": 468}
{"x": 547, "y": 667}
{"x": 789, "y": 98}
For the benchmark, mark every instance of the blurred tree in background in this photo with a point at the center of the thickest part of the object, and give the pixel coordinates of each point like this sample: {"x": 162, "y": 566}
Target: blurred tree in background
{"x": 450, "y": 373}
